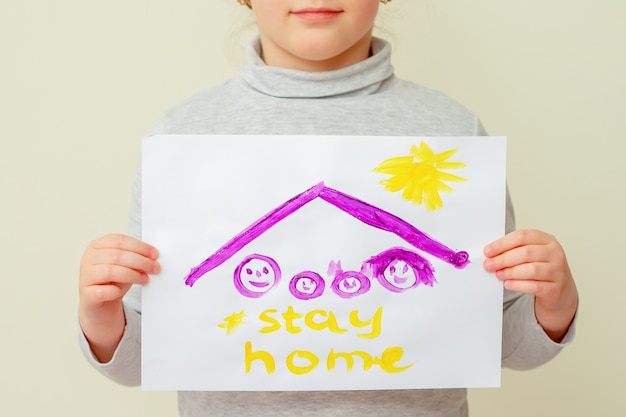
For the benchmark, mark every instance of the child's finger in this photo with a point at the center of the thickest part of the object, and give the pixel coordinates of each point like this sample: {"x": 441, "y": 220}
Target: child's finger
{"x": 125, "y": 259}
{"x": 535, "y": 271}
{"x": 99, "y": 294}
{"x": 516, "y": 256}
{"x": 525, "y": 286}
{"x": 114, "y": 274}
{"x": 516, "y": 239}
{"x": 125, "y": 243}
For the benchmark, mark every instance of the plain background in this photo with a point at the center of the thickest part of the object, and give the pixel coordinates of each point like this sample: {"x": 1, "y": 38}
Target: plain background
{"x": 81, "y": 82}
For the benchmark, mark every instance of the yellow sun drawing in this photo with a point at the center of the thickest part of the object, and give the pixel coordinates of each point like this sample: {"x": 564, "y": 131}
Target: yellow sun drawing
{"x": 420, "y": 175}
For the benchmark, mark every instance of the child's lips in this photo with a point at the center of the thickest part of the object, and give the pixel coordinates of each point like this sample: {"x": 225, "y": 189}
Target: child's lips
{"x": 316, "y": 14}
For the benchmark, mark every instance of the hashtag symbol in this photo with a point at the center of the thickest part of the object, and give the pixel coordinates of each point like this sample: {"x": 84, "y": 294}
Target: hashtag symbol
{"x": 232, "y": 322}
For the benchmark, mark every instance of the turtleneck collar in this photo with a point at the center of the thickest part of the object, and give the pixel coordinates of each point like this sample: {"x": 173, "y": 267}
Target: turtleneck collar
{"x": 363, "y": 78}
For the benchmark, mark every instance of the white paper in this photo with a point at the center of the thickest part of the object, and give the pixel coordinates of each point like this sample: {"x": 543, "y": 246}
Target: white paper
{"x": 230, "y": 213}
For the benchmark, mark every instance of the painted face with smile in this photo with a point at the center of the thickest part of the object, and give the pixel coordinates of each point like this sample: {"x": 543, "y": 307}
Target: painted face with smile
{"x": 398, "y": 269}
{"x": 315, "y": 35}
{"x": 256, "y": 275}
{"x": 400, "y": 275}
{"x": 306, "y": 285}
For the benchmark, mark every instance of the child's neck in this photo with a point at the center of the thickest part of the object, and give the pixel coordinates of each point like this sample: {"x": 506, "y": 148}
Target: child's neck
{"x": 275, "y": 57}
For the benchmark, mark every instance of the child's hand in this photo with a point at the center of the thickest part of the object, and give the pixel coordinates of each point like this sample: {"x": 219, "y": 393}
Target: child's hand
{"x": 110, "y": 265}
{"x": 533, "y": 262}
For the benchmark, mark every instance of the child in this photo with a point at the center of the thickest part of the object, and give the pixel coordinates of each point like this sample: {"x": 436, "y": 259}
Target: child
{"x": 316, "y": 69}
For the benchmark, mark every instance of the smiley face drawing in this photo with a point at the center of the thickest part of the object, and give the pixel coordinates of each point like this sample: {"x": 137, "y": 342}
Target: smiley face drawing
{"x": 347, "y": 284}
{"x": 256, "y": 275}
{"x": 398, "y": 269}
{"x": 350, "y": 284}
{"x": 400, "y": 274}
{"x": 307, "y": 285}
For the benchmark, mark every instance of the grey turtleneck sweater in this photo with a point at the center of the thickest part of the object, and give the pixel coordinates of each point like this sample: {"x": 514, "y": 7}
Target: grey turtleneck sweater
{"x": 364, "y": 99}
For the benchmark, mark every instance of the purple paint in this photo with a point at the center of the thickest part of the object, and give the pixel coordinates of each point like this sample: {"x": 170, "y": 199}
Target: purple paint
{"x": 350, "y": 284}
{"x": 252, "y": 232}
{"x": 398, "y": 269}
{"x": 307, "y": 285}
{"x": 256, "y": 275}
{"x": 364, "y": 212}
{"x": 383, "y": 220}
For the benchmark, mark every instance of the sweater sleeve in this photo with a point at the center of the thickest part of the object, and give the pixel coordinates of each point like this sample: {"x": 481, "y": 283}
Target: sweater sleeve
{"x": 525, "y": 345}
{"x": 125, "y": 366}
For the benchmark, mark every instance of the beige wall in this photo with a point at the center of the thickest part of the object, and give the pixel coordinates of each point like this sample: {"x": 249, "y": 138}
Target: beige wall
{"x": 81, "y": 82}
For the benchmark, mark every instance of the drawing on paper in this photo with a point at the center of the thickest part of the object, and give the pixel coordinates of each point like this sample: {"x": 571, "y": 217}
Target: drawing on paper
{"x": 307, "y": 285}
{"x": 256, "y": 275}
{"x": 396, "y": 269}
{"x": 420, "y": 175}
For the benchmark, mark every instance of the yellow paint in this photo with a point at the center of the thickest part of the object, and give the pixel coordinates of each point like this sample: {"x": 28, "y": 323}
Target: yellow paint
{"x": 301, "y": 370}
{"x": 265, "y": 317}
{"x": 320, "y": 320}
{"x": 387, "y": 361}
{"x": 232, "y": 322}
{"x": 349, "y": 358}
{"x": 289, "y": 316}
{"x": 294, "y": 320}
{"x": 389, "y": 358}
{"x": 420, "y": 176}
{"x": 330, "y": 323}
{"x": 260, "y": 355}
{"x": 376, "y": 322}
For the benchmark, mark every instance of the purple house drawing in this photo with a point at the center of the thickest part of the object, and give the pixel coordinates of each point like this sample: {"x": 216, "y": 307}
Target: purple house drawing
{"x": 396, "y": 269}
